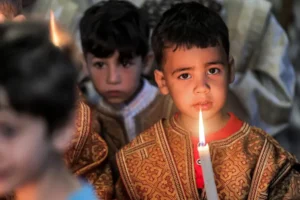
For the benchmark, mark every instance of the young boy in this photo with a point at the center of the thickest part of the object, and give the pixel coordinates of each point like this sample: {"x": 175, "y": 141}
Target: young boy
{"x": 37, "y": 99}
{"x": 191, "y": 45}
{"x": 114, "y": 37}
{"x": 264, "y": 72}
{"x": 87, "y": 154}
{"x": 11, "y": 10}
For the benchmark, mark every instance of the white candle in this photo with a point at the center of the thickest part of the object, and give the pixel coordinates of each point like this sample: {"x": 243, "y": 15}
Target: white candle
{"x": 207, "y": 170}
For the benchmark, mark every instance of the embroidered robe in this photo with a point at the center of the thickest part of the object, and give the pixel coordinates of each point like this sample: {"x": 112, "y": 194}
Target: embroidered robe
{"x": 249, "y": 164}
{"x": 87, "y": 154}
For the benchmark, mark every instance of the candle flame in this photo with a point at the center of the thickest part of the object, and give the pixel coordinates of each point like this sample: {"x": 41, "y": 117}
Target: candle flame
{"x": 201, "y": 130}
{"x": 62, "y": 39}
{"x": 53, "y": 30}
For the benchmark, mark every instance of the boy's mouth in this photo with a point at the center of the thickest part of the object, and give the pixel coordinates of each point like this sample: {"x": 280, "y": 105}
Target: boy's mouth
{"x": 113, "y": 93}
{"x": 204, "y": 105}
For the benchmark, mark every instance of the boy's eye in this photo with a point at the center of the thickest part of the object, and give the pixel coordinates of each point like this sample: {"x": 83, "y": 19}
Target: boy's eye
{"x": 7, "y": 131}
{"x": 184, "y": 76}
{"x": 99, "y": 65}
{"x": 125, "y": 63}
{"x": 213, "y": 71}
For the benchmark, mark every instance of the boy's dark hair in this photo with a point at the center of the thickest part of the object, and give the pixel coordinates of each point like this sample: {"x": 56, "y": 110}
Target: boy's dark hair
{"x": 36, "y": 76}
{"x": 114, "y": 25}
{"x": 189, "y": 25}
{"x": 10, "y": 8}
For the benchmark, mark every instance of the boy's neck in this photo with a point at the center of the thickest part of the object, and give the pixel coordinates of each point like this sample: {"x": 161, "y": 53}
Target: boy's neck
{"x": 211, "y": 125}
{"x": 56, "y": 182}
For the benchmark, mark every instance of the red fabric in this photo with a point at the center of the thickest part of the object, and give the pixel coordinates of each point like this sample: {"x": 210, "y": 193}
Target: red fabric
{"x": 232, "y": 126}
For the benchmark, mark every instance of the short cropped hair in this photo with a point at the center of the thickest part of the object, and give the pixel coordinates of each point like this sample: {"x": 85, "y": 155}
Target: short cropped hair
{"x": 10, "y": 8}
{"x": 189, "y": 25}
{"x": 37, "y": 77}
{"x": 110, "y": 26}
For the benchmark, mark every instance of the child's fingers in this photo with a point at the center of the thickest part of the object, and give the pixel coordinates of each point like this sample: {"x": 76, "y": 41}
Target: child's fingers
{"x": 2, "y": 18}
{"x": 19, "y": 18}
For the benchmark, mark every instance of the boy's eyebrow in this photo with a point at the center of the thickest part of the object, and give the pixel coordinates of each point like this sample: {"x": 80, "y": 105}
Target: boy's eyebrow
{"x": 215, "y": 62}
{"x": 182, "y": 69}
{"x": 97, "y": 59}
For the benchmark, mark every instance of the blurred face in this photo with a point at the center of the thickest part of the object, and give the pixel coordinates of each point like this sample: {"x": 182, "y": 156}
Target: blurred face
{"x": 115, "y": 79}
{"x": 196, "y": 78}
{"x": 24, "y": 149}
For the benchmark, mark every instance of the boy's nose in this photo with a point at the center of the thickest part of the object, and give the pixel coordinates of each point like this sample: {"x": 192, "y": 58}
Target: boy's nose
{"x": 2, "y": 151}
{"x": 201, "y": 86}
{"x": 114, "y": 76}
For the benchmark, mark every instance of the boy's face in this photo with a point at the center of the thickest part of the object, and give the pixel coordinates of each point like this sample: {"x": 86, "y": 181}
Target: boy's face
{"x": 115, "y": 79}
{"x": 24, "y": 149}
{"x": 196, "y": 78}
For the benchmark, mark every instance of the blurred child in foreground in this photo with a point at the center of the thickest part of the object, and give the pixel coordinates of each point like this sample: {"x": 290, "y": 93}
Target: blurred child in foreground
{"x": 37, "y": 116}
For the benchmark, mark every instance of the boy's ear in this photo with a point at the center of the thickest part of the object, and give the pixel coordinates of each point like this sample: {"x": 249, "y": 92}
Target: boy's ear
{"x": 161, "y": 82}
{"x": 63, "y": 136}
{"x": 231, "y": 69}
{"x": 148, "y": 63}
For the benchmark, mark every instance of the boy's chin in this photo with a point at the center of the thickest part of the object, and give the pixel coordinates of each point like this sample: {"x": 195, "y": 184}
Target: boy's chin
{"x": 190, "y": 116}
{"x": 115, "y": 102}
{"x": 206, "y": 114}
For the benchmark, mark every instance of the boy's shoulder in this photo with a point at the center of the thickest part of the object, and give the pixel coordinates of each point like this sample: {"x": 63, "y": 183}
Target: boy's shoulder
{"x": 259, "y": 142}
{"x": 86, "y": 139}
{"x": 272, "y": 164}
{"x": 146, "y": 138}
{"x": 259, "y": 135}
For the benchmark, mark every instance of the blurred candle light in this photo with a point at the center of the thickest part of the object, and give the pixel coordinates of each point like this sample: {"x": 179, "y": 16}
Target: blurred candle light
{"x": 60, "y": 37}
{"x": 53, "y": 30}
{"x": 63, "y": 40}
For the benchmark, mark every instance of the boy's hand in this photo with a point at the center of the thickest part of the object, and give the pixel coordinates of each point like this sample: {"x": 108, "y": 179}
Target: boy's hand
{"x": 17, "y": 18}
{"x": 2, "y": 18}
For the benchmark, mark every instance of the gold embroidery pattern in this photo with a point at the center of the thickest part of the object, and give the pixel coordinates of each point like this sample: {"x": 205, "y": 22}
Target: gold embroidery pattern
{"x": 181, "y": 147}
{"x": 148, "y": 178}
{"x": 170, "y": 158}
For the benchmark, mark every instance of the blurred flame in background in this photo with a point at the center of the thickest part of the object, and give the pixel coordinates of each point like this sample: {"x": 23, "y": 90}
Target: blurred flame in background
{"x": 63, "y": 40}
